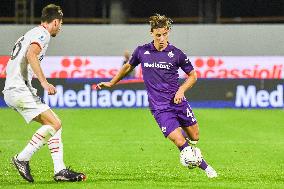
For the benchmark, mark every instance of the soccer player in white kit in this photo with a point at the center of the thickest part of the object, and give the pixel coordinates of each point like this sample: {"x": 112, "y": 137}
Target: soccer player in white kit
{"x": 21, "y": 96}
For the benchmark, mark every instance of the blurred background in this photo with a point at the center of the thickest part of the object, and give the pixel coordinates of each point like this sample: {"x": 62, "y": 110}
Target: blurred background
{"x": 137, "y": 11}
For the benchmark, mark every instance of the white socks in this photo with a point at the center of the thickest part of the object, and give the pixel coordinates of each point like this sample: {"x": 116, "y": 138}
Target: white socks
{"x": 38, "y": 140}
{"x": 45, "y": 134}
{"x": 56, "y": 149}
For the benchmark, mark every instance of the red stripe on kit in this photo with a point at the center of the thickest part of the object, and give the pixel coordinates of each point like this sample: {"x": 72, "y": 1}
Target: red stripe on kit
{"x": 33, "y": 141}
{"x": 40, "y": 135}
{"x": 37, "y": 44}
{"x": 56, "y": 139}
{"x": 53, "y": 142}
{"x": 54, "y": 148}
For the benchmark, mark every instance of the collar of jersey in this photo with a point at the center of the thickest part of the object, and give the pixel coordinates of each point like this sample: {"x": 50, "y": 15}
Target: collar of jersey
{"x": 43, "y": 28}
{"x": 167, "y": 49}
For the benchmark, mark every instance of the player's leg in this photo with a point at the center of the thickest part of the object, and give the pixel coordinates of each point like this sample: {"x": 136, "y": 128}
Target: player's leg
{"x": 39, "y": 138}
{"x": 55, "y": 142}
{"x": 192, "y": 136}
{"x": 193, "y": 133}
{"x": 169, "y": 126}
{"x": 49, "y": 127}
{"x": 55, "y": 145}
{"x": 177, "y": 138}
{"x": 186, "y": 117}
{"x": 29, "y": 106}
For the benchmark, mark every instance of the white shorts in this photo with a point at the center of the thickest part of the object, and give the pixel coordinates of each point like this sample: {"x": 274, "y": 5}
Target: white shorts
{"x": 25, "y": 101}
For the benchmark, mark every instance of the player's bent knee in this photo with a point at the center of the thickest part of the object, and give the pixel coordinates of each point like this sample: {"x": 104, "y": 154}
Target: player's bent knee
{"x": 179, "y": 142}
{"x": 195, "y": 137}
{"x": 56, "y": 125}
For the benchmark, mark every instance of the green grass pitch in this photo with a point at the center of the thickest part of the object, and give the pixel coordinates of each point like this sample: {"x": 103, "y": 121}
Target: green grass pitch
{"x": 123, "y": 148}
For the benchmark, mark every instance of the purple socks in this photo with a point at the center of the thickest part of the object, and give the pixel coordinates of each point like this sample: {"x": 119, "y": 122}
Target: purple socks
{"x": 203, "y": 165}
{"x": 183, "y": 146}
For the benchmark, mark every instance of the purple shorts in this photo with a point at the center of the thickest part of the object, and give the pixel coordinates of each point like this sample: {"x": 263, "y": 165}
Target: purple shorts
{"x": 179, "y": 115}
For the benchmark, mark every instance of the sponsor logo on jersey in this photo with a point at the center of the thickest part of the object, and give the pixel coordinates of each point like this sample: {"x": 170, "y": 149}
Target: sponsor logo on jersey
{"x": 162, "y": 65}
{"x": 146, "y": 52}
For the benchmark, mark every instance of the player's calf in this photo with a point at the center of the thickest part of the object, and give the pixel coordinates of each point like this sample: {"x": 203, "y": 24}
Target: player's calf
{"x": 191, "y": 134}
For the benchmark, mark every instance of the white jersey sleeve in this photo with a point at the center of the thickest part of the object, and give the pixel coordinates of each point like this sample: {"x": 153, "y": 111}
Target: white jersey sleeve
{"x": 40, "y": 37}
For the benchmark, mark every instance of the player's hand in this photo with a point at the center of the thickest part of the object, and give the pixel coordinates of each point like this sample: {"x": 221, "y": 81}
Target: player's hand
{"x": 104, "y": 84}
{"x": 126, "y": 55}
{"x": 179, "y": 96}
{"x": 49, "y": 88}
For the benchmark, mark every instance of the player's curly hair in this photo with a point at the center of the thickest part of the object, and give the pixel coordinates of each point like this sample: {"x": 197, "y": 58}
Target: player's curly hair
{"x": 160, "y": 21}
{"x": 51, "y": 12}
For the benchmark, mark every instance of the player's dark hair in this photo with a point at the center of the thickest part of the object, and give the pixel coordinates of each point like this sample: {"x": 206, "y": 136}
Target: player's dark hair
{"x": 160, "y": 21}
{"x": 50, "y": 13}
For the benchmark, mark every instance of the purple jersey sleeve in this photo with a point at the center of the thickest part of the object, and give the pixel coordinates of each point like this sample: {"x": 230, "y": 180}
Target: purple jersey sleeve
{"x": 184, "y": 63}
{"x": 134, "y": 60}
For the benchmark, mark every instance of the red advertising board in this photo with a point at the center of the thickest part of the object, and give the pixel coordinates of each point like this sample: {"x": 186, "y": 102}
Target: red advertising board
{"x": 258, "y": 67}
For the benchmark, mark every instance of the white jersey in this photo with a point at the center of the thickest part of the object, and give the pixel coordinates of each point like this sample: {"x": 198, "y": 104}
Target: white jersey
{"x": 18, "y": 72}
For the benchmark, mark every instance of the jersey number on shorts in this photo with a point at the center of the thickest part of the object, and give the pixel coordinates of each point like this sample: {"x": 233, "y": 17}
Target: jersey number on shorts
{"x": 189, "y": 114}
{"x": 17, "y": 48}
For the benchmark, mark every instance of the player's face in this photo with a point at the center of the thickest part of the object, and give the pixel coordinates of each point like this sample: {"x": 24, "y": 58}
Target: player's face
{"x": 57, "y": 24}
{"x": 160, "y": 37}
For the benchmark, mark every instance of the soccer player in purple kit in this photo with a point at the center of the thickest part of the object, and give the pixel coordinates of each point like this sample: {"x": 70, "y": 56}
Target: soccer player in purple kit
{"x": 160, "y": 62}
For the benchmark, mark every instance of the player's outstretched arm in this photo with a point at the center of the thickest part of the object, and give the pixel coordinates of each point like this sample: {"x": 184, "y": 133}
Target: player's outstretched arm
{"x": 32, "y": 57}
{"x": 192, "y": 77}
{"x": 126, "y": 68}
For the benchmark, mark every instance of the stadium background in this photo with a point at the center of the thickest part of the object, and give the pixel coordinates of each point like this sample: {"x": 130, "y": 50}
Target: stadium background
{"x": 238, "y": 50}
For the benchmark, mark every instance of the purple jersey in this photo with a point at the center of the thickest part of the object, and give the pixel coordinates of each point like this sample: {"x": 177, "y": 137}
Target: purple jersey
{"x": 160, "y": 72}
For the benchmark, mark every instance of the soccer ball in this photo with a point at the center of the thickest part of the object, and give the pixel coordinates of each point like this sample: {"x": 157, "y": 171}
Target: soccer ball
{"x": 190, "y": 157}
